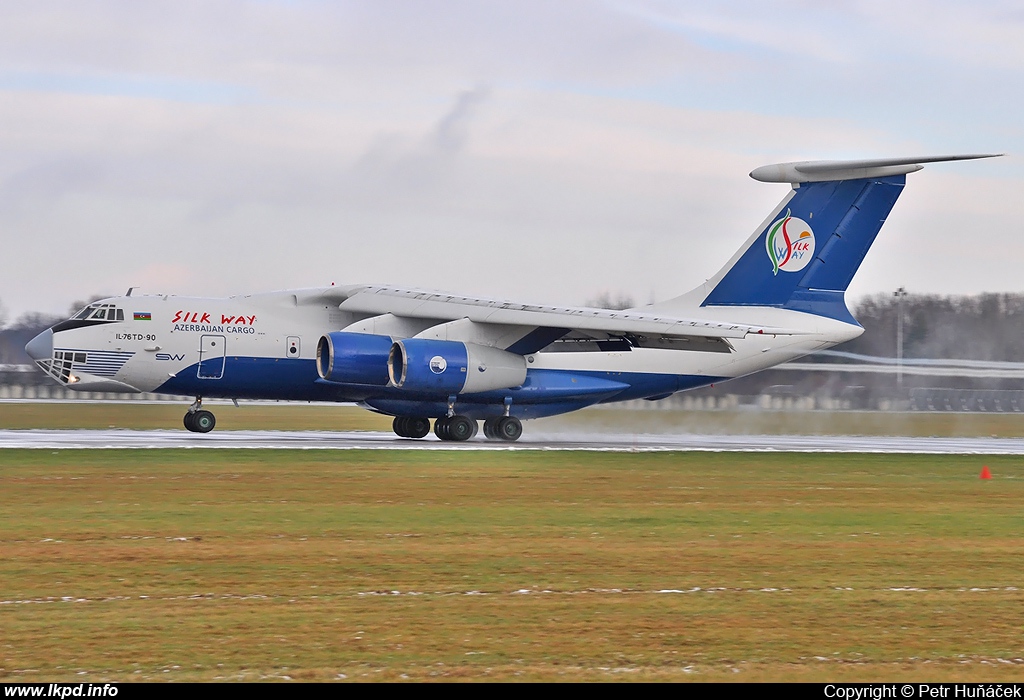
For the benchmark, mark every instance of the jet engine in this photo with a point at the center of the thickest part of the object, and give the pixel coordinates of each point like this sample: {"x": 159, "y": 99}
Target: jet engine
{"x": 451, "y": 367}
{"x": 353, "y": 358}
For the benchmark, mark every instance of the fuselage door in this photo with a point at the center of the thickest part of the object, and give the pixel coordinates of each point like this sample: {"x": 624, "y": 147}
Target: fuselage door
{"x": 211, "y": 356}
{"x": 292, "y": 347}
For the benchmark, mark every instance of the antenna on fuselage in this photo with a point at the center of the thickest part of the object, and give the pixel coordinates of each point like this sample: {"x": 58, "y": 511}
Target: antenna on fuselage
{"x": 130, "y": 290}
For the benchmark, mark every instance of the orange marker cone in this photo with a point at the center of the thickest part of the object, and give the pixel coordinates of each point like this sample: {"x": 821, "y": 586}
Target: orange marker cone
{"x": 985, "y": 473}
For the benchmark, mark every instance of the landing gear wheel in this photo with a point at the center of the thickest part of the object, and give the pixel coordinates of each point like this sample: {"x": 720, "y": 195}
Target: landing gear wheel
{"x": 203, "y": 421}
{"x": 197, "y": 420}
{"x": 441, "y": 428}
{"x": 460, "y": 428}
{"x": 417, "y": 427}
{"x": 400, "y": 426}
{"x": 491, "y": 428}
{"x": 509, "y": 428}
{"x": 411, "y": 426}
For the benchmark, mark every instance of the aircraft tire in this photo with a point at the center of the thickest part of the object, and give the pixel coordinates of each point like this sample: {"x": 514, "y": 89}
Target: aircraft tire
{"x": 417, "y": 427}
{"x": 441, "y": 429}
{"x": 491, "y": 428}
{"x": 189, "y": 426}
{"x": 203, "y": 421}
{"x": 510, "y": 428}
{"x": 460, "y": 428}
{"x": 401, "y": 426}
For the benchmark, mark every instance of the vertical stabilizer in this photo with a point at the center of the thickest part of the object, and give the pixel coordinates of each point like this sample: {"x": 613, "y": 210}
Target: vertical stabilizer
{"x": 804, "y": 256}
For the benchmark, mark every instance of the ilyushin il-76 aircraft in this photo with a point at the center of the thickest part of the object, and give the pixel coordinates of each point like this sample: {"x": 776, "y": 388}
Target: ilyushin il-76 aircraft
{"x": 419, "y": 355}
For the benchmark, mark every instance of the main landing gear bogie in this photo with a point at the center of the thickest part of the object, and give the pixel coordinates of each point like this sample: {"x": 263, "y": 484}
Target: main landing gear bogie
{"x": 411, "y": 426}
{"x": 508, "y": 428}
{"x": 455, "y": 428}
{"x": 458, "y": 428}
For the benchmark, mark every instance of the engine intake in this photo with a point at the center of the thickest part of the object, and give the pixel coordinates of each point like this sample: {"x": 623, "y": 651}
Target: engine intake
{"x": 353, "y": 358}
{"x": 451, "y": 367}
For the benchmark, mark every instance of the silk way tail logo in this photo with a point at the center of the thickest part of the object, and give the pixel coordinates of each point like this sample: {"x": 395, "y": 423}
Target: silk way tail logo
{"x": 790, "y": 244}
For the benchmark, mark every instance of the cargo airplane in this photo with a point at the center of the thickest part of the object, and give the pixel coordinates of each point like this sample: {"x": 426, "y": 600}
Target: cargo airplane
{"x": 420, "y": 355}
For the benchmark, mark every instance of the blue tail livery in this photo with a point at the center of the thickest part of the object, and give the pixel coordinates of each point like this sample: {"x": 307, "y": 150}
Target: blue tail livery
{"x": 806, "y": 256}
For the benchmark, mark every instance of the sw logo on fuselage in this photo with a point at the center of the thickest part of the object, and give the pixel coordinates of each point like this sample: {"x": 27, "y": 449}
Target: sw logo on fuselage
{"x": 168, "y": 356}
{"x": 790, "y": 244}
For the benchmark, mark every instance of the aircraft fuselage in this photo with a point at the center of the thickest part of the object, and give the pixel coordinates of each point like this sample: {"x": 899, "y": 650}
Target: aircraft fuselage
{"x": 264, "y": 347}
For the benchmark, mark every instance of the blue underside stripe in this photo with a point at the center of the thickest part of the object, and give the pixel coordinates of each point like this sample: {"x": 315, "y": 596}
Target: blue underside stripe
{"x": 297, "y": 380}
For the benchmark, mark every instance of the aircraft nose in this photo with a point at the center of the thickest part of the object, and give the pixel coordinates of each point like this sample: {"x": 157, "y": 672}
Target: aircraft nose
{"x": 41, "y": 347}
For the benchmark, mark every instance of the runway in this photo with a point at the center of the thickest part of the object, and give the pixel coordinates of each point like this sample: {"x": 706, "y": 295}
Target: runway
{"x": 595, "y": 442}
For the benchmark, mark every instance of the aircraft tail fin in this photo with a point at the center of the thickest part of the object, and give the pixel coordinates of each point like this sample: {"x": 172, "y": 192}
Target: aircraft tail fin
{"x": 807, "y": 251}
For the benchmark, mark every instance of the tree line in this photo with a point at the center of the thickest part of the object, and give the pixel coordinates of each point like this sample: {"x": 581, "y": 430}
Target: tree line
{"x": 979, "y": 327}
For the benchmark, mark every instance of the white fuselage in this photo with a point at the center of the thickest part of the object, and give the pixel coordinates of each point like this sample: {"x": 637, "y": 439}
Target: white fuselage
{"x": 264, "y": 346}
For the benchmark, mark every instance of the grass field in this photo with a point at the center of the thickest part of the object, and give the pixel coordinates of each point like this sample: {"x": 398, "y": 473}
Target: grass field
{"x": 333, "y": 417}
{"x": 316, "y": 565}
{"x": 167, "y": 416}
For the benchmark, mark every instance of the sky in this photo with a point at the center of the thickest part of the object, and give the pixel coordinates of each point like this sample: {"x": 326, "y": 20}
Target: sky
{"x": 533, "y": 150}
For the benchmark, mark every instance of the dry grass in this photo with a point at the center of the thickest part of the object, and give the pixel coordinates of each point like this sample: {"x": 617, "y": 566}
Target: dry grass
{"x": 754, "y": 422}
{"x": 332, "y": 417}
{"x": 149, "y": 416}
{"x": 198, "y": 565}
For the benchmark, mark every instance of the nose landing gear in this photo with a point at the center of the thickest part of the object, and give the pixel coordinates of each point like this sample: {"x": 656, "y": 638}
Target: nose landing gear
{"x": 198, "y": 420}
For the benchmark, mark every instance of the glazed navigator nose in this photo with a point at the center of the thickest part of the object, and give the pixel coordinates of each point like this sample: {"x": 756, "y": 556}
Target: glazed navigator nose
{"x": 41, "y": 347}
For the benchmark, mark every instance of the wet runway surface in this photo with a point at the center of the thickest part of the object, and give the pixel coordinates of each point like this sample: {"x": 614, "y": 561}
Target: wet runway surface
{"x": 599, "y": 442}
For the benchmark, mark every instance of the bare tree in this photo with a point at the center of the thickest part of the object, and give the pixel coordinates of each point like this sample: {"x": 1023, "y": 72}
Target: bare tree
{"x": 605, "y": 300}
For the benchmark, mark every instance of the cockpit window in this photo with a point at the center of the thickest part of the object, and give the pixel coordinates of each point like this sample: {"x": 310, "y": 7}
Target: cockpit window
{"x": 100, "y": 312}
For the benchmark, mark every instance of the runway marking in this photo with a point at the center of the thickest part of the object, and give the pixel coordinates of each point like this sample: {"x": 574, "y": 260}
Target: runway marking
{"x": 592, "y": 442}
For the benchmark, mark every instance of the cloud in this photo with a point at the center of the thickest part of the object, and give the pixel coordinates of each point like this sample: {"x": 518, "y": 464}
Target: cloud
{"x": 450, "y": 134}
{"x": 527, "y": 149}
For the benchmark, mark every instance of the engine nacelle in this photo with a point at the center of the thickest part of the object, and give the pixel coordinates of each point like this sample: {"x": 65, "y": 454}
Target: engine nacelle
{"x": 354, "y": 358}
{"x": 450, "y": 367}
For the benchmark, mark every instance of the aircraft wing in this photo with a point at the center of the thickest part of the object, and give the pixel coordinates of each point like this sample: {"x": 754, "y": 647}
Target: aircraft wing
{"x": 526, "y": 328}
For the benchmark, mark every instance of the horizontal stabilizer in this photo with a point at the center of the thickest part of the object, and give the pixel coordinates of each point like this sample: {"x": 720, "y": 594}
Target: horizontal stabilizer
{"x": 833, "y": 170}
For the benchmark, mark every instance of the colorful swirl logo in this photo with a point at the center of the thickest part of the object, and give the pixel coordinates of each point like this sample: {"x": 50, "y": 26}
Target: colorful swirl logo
{"x": 790, "y": 244}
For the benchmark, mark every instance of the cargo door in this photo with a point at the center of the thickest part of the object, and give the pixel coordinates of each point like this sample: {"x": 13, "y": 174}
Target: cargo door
{"x": 211, "y": 356}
